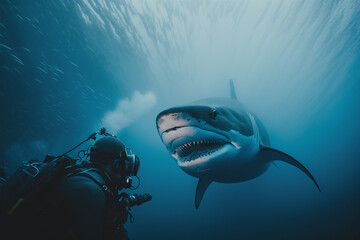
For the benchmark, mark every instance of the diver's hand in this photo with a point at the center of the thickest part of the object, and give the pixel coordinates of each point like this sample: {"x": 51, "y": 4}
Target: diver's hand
{"x": 135, "y": 199}
{"x": 138, "y": 199}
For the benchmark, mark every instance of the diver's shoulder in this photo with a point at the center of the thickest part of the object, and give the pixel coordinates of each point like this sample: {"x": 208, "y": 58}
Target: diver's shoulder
{"x": 87, "y": 180}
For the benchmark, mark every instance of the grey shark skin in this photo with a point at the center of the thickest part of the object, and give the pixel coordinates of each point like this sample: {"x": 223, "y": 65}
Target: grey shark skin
{"x": 219, "y": 140}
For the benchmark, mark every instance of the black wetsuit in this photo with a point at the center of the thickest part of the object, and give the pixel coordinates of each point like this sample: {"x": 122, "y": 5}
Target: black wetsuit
{"x": 80, "y": 206}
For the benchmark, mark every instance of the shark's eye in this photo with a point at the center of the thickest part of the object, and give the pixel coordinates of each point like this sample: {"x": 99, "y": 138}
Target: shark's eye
{"x": 214, "y": 113}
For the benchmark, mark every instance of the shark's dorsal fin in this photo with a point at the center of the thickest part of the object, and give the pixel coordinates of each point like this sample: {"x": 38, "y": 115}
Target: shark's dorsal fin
{"x": 273, "y": 154}
{"x": 200, "y": 191}
{"x": 232, "y": 90}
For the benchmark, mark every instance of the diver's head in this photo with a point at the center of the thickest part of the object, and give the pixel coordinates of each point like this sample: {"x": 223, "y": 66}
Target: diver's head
{"x": 117, "y": 160}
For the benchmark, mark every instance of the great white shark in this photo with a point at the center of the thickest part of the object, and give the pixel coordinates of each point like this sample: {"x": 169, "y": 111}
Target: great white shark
{"x": 219, "y": 140}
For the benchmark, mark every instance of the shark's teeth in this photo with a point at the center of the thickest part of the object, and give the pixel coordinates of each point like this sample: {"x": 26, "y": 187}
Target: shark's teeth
{"x": 202, "y": 158}
{"x": 197, "y": 158}
{"x": 197, "y": 149}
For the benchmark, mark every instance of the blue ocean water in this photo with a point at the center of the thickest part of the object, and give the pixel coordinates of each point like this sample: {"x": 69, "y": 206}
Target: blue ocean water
{"x": 69, "y": 67}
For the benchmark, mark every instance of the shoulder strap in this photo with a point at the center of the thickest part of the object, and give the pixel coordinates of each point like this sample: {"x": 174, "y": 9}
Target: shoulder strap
{"x": 106, "y": 186}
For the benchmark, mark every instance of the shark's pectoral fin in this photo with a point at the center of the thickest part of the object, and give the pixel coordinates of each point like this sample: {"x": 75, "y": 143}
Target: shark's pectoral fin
{"x": 203, "y": 184}
{"x": 273, "y": 154}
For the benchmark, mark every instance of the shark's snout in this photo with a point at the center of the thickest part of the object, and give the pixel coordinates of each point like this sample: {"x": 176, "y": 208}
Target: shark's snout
{"x": 177, "y": 117}
{"x": 168, "y": 122}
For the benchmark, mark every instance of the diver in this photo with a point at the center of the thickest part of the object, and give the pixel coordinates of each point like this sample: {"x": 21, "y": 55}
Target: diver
{"x": 87, "y": 203}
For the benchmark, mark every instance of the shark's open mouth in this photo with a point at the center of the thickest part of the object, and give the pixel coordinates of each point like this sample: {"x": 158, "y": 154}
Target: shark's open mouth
{"x": 194, "y": 150}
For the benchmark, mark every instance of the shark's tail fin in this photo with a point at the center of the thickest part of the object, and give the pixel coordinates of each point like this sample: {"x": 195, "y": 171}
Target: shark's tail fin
{"x": 273, "y": 154}
{"x": 232, "y": 90}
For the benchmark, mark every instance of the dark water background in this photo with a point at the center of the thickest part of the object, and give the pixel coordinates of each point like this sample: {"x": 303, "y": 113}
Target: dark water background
{"x": 69, "y": 67}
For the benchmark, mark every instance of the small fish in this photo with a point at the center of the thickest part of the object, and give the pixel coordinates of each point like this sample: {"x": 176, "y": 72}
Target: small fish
{"x": 58, "y": 69}
{"x": 17, "y": 59}
{"x": 3, "y": 45}
{"x": 38, "y": 80}
{"x": 92, "y": 90}
{"x": 42, "y": 70}
{"x": 20, "y": 16}
{"x": 74, "y": 64}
